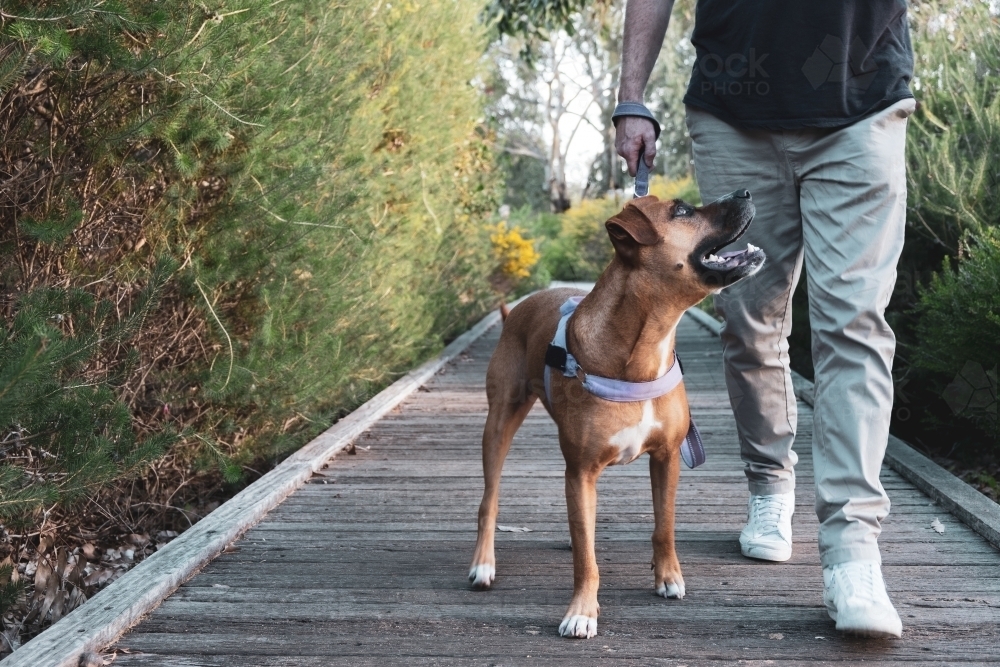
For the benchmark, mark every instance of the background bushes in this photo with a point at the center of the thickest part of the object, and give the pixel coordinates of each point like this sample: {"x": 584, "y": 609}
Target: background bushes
{"x": 958, "y": 331}
{"x": 947, "y": 322}
{"x": 222, "y": 228}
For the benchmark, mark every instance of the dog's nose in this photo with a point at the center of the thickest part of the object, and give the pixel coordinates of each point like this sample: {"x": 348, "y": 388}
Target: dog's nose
{"x": 743, "y": 194}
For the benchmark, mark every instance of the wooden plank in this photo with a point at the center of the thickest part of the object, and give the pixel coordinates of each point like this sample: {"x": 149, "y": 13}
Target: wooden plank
{"x": 366, "y": 564}
{"x": 366, "y": 660}
{"x": 972, "y": 507}
{"x": 100, "y": 620}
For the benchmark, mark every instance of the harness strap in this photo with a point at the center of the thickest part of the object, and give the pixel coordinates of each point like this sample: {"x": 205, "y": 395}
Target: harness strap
{"x": 559, "y": 357}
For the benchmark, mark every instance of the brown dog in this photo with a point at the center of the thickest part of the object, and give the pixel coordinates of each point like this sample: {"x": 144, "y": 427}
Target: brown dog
{"x": 664, "y": 263}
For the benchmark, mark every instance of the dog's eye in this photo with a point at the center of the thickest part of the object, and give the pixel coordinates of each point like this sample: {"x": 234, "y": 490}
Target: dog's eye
{"x": 681, "y": 210}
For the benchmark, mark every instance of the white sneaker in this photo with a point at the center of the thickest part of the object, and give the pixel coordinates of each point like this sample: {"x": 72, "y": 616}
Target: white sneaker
{"x": 768, "y": 533}
{"x": 855, "y": 597}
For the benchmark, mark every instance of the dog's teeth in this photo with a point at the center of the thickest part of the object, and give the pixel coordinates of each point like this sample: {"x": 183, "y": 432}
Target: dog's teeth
{"x": 751, "y": 247}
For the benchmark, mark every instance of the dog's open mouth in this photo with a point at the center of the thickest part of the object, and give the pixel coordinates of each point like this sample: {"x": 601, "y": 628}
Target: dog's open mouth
{"x": 733, "y": 259}
{"x": 721, "y": 269}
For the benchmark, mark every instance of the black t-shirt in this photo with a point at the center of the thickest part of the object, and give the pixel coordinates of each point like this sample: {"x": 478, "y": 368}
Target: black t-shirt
{"x": 788, "y": 64}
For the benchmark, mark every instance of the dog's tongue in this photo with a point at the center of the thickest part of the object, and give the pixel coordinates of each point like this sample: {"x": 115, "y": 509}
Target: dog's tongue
{"x": 733, "y": 253}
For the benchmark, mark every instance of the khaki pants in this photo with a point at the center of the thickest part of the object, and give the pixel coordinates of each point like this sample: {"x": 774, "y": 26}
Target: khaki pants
{"x": 837, "y": 199}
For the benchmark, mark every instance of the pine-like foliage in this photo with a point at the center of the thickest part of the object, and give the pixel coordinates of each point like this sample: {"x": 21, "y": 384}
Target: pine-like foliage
{"x": 953, "y": 148}
{"x": 64, "y": 352}
{"x": 68, "y": 437}
{"x": 233, "y": 221}
{"x": 959, "y": 332}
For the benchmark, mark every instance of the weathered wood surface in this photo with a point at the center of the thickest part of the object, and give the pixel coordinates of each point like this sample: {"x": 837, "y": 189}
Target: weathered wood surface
{"x": 103, "y": 618}
{"x": 366, "y": 564}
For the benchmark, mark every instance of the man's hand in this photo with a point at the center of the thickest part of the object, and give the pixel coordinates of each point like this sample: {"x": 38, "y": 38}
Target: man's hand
{"x": 635, "y": 137}
{"x": 645, "y": 25}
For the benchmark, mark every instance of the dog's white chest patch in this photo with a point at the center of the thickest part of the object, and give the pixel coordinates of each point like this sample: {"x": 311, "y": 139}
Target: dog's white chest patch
{"x": 630, "y": 439}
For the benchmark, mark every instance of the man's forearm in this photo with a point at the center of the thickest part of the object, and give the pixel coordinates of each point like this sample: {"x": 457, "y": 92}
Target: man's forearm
{"x": 645, "y": 25}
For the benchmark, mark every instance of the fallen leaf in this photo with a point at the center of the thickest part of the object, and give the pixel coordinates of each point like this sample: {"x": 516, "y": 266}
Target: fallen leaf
{"x": 937, "y": 525}
{"x": 139, "y": 540}
{"x": 512, "y": 529}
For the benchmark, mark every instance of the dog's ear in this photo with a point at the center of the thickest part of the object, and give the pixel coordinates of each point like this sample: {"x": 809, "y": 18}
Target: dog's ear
{"x": 632, "y": 228}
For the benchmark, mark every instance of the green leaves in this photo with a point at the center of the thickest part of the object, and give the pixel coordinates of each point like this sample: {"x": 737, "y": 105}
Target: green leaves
{"x": 310, "y": 261}
{"x": 78, "y": 428}
{"x": 953, "y": 147}
{"x": 57, "y": 31}
{"x": 531, "y": 18}
{"x": 959, "y": 327}
{"x": 55, "y": 228}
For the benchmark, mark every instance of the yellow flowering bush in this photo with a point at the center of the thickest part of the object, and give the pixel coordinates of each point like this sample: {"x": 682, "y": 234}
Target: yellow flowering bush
{"x": 516, "y": 254}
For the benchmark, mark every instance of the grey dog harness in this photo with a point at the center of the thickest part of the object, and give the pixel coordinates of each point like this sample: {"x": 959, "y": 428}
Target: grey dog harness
{"x": 559, "y": 357}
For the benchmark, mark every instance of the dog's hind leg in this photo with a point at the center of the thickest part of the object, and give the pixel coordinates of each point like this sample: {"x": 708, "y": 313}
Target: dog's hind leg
{"x": 664, "y": 473}
{"x": 509, "y": 405}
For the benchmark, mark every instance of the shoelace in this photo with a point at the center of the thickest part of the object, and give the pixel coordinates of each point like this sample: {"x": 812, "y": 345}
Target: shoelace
{"x": 857, "y": 580}
{"x": 765, "y": 512}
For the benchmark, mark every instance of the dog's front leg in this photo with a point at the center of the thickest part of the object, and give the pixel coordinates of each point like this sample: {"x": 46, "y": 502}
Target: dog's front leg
{"x": 664, "y": 473}
{"x": 581, "y": 502}
{"x": 503, "y": 420}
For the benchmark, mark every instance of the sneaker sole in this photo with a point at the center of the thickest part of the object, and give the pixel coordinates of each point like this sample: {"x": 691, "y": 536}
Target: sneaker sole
{"x": 887, "y": 631}
{"x": 764, "y": 553}
{"x": 891, "y": 630}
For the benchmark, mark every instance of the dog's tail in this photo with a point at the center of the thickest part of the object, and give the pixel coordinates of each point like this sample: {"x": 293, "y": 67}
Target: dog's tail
{"x": 504, "y": 311}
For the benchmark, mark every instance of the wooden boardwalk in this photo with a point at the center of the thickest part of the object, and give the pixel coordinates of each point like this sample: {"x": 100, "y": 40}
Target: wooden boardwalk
{"x": 367, "y": 564}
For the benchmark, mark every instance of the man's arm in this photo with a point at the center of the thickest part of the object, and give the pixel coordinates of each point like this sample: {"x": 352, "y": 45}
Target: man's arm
{"x": 645, "y": 25}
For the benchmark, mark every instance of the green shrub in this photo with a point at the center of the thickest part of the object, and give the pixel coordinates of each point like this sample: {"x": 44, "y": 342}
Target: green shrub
{"x": 959, "y": 331}
{"x": 314, "y": 177}
{"x": 953, "y": 141}
{"x": 81, "y": 432}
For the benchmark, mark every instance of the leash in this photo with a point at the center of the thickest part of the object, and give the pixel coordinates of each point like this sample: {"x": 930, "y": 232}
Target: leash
{"x": 558, "y": 356}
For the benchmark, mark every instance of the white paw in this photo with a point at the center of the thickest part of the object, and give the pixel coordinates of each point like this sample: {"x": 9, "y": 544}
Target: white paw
{"x": 482, "y": 576}
{"x": 671, "y": 591}
{"x": 582, "y": 627}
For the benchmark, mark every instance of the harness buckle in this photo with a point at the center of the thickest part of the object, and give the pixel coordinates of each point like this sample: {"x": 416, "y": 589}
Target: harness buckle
{"x": 555, "y": 357}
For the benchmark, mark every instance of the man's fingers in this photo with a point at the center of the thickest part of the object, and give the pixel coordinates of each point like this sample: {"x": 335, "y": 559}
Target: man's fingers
{"x": 650, "y": 152}
{"x": 635, "y": 137}
{"x": 632, "y": 159}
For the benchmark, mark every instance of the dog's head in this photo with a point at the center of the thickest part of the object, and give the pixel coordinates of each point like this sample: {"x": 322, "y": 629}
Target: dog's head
{"x": 676, "y": 243}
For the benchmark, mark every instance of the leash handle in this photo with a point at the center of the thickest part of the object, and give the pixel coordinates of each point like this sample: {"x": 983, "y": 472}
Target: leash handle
{"x": 642, "y": 175}
{"x": 638, "y": 109}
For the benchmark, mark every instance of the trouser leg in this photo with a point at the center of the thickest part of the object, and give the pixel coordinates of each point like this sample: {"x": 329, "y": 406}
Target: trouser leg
{"x": 757, "y": 310}
{"x": 853, "y": 201}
